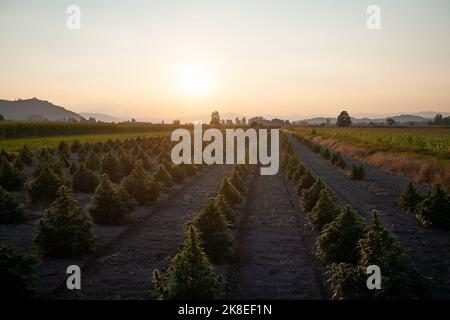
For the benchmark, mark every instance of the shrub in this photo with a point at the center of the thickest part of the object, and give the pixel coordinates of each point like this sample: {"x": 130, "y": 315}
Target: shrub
{"x": 229, "y": 192}
{"x": 64, "y": 230}
{"x": 26, "y": 156}
{"x": 338, "y": 240}
{"x": 347, "y": 282}
{"x": 10, "y": 211}
{"x": 434, "y": 210}
{"x": 341, "y": 163}
{"x": 214, "y": 233}
{"x": 141, "y": 186}
{"x": 306, "y": 182}
{"x": 324, "y": 212}
{"x": 10, "y": 177}
{"x": 409, "y": 198}
{"x": 357, "y": 173}
{"x": 18, "y": 163}
{"x": 84, "y": 180}
{"x": 164, "y": 176}
{"x": 18, "y": 273}
{"x": 228, "y": 212}
{"x": 73, "y": 168}
{"x": 92, "y": 161}
{"x": 311, "y": 196}
{"x": 237, "y": 181}
{"x": 379, "y": 248}
{"x": 109, "y": 205}
{"x": 326, "y": 154}
{"x": 45, "y": 186}
{"x": 127, "y": 163}
{"x": 189, "y": 275}
{"x": 111, "y": 167}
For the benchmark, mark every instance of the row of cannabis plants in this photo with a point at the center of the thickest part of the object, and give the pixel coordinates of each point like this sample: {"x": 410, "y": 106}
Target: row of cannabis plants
{"x": 208, "y": 241}
{"x": 431, "y": 209}
{"x": 347, "y": 245}
{"x": 356, "y": 173}
{"x": 124, "y": 174}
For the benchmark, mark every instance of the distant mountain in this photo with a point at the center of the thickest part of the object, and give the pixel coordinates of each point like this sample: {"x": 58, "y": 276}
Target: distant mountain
{"x": 404, "y": 118}
{"x": 35, "y": 109}
{"x": 103, "y": 117}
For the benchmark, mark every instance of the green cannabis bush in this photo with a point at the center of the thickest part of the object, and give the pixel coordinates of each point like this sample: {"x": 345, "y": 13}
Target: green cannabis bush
{"x": 190, "y": 275}
{"x": 64, "y": 230}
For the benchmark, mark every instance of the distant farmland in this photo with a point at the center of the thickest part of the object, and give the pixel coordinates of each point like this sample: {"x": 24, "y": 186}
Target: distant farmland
{"x": 14, "y": 135}
{"x": 419, "y": 153}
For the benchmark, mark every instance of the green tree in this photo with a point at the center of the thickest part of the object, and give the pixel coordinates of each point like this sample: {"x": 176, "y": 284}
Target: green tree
{"x": 10, "y": 211}
{"x": 215, "y": 119}
{"x": 190, "y": 275}
{"x": 324, "y": 212}
{"x": 92, "y": 161}
{"x": 64, "y": 230}
{"x": 434, "y": 210}
{"x": 357, "y": 173}
{"x": 311, "y": 196}
{"x": 344, "y": 120}
{"x": 110, "y": 205}
{"x": 214, "y": 232}
{"x": 338, "y": 240}
{"x": 18, "y": 273}
{"x": 84, "y": 180}
{"x": 237, "y": 180}
{"x": 164, "y": 176}
{"x": 10, "y": 177}
{"x": 409, "y": 198}
{"x": 229, "y": 192}
{"x": 26, "y": 156}
{"x": 228, "y": 212}
{"x": 111, "y": 167}
{"x": 141, "y": 186}
{"x": 306, "y": 182}
{"x": 45, "y": 186}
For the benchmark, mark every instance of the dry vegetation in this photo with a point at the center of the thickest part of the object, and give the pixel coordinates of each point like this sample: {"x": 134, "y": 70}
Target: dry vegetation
{"x": 422, "y": 154}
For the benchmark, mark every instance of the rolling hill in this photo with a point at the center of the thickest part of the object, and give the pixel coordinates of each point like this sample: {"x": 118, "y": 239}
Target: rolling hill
{"x": 35, "y": 109}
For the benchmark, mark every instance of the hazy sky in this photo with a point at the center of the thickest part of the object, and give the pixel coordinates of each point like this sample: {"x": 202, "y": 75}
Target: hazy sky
{"x": 177, "y": 58}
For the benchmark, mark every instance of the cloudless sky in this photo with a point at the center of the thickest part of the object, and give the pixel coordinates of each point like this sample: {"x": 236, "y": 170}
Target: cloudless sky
{"x": 251, "y": 57}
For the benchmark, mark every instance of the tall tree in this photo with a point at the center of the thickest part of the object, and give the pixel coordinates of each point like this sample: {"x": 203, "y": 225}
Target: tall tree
{"x": 344, "y": 120}
{"x": 215, "y": 118}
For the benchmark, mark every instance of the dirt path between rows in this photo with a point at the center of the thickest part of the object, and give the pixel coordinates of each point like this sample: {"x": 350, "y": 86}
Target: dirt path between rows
{"x": 429, "y": 249}
{"x": 124, "y": 269}
{"x": 275, "y": 261}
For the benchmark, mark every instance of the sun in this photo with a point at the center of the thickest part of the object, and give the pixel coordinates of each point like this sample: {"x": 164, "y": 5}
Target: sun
{"x": 194, "y": 79}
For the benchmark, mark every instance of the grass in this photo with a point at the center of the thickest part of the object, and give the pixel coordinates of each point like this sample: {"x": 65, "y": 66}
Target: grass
{"x": 37, "y": 143}
{"x": 425, "y": 142}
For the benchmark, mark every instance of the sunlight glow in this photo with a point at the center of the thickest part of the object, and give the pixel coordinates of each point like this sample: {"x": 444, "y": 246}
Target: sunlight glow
{"x": 194, "y": 79}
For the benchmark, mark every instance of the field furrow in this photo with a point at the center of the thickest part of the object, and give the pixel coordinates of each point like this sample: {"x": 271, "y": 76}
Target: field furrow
{"x": 274, "y": 260}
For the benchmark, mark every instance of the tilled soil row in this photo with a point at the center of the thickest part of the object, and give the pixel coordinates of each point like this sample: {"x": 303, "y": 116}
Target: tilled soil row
{"x": 123, "y": 270}
{"x": 273, "y": 261}
{"x": 428, "y": 248}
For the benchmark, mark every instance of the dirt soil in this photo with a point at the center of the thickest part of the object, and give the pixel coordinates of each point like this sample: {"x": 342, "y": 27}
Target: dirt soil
{"x": 275, "y": 259}
{"x": 429, "y": 249}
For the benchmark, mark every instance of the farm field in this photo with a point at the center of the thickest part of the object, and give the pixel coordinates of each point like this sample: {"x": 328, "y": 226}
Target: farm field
{"x": 14, "y": 145}
{"x": 427, "y": 142}
{"x": 138, "y": 217}
{"x": 419, "y": 153}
